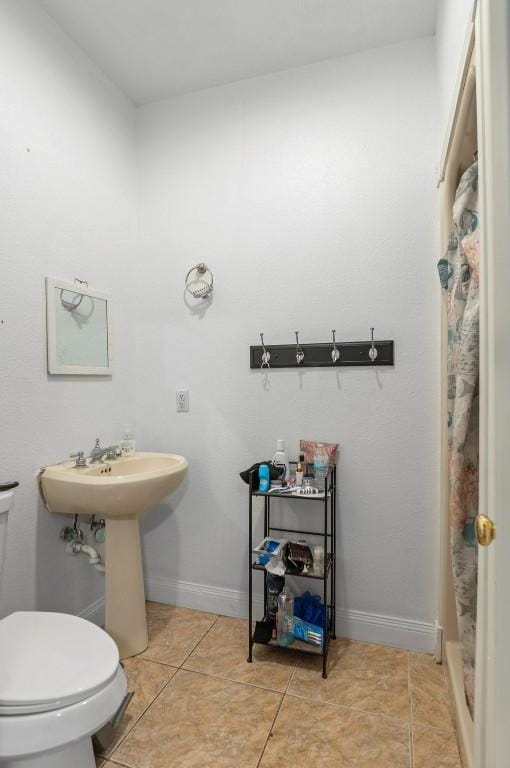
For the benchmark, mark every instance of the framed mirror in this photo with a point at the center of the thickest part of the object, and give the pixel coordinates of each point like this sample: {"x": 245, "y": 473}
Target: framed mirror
{"x": 78, "y": 323}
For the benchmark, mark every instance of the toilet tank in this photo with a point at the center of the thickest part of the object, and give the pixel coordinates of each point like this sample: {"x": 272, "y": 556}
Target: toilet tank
{"x": 6, "y": 503}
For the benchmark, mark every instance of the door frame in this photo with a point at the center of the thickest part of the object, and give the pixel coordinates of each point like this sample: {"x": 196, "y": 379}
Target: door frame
{"x": 492, "y": 691}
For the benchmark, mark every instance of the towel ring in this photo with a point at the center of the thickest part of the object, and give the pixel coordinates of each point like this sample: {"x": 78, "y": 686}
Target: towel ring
{"x": 199, "y": 281}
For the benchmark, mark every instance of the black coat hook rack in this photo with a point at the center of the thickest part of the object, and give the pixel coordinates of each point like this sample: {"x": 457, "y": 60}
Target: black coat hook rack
{"x": 333, "y": 354}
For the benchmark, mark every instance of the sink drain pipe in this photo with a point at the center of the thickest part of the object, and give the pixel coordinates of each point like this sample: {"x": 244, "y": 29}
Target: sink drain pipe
{"x": 92, "y": 554}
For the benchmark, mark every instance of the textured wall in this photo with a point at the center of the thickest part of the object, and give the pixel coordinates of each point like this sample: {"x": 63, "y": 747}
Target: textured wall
{"x": 311, "y": 194}
{"x": 68, "y": 208}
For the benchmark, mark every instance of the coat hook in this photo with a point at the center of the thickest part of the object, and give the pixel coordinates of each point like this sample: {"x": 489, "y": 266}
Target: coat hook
{"x": 372, "y": 352}
{"x": 300, "y": 355}
{"x": 335, "y": 353}
{"x": 266, "y": 357}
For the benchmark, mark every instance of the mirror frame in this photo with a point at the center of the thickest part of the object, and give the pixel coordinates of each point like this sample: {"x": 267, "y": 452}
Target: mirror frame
{"x": 54, "y": 367}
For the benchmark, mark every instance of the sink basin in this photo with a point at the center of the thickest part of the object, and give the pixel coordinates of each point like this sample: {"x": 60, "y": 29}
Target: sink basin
{"x": 123, "y": 487}
{"x": 120, "y": 491}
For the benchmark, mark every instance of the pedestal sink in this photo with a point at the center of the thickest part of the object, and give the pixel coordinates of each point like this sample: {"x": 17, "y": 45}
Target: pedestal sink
{"x": 118, "y": 490}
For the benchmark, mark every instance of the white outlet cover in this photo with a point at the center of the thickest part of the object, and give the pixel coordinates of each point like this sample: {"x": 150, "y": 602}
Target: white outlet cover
{"x": 182, "y": 400}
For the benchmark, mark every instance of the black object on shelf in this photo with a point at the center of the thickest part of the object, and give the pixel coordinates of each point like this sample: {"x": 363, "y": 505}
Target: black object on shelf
{"x": 263, "y": 632}
{"x": 8, "y": 486}
{"x": 319, "y": 355}
{"x": 328, "y": 577}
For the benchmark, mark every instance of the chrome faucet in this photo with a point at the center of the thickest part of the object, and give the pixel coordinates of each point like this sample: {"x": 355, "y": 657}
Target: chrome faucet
{"x": 97, "y": 453}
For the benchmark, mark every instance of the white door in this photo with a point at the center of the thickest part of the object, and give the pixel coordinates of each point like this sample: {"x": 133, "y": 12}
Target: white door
{"x": 492, "y": 704}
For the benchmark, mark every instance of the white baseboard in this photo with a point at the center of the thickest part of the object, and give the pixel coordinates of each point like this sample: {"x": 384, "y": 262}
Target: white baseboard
{"x": 202, "y": 597}
{"x": 357, "y": 625}
{"x": 386, "y": 630}
{"x": 94, "y": 612}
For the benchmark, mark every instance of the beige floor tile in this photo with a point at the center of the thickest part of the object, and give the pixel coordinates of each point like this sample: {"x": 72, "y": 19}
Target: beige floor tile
{"x": 146, "y": 679}
{"x": 101, "y": 763}
{"x": 371, "y": 678}
{"x": 435, "y": 749}
{"x": 110, "y": 764}
{"x": 201, "y": 721}
{"x": 224, "y": 650}
{"x": 429, "y": 692}
{"x": 174, "y": 632}
{"x": 310, "y": 733}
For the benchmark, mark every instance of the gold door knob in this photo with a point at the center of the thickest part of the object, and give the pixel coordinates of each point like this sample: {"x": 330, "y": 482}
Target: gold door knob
{"x": 485, "y": 530}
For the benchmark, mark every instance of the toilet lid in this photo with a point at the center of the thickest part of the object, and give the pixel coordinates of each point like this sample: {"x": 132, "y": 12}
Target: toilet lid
{"x": 51, "y": 660}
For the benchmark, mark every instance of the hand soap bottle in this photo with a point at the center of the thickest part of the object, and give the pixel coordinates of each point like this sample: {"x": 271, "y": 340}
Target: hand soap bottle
{"x": 127, "y": 444}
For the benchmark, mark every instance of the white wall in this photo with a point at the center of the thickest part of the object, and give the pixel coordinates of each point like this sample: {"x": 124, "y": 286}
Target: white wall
{"x": 451, "y": 25}
{"x": 68, "y": 209}
{"x": 311, "y": 194}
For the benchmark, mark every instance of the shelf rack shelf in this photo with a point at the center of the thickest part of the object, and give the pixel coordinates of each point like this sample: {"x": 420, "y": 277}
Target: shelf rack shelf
{"x": 311, "y": 575}
{"x": 328, "y": 578}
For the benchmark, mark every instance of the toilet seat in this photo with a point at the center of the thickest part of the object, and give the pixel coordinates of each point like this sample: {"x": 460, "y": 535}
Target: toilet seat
{"x": 52, "y": 660}
{"x": 40, "y": 734}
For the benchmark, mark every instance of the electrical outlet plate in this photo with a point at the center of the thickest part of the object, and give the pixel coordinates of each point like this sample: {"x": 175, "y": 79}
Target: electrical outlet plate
{"x": 182, "y": 400}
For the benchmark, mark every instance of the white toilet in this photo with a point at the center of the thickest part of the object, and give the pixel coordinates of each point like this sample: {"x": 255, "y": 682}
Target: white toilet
{"x": 60, "y": 682}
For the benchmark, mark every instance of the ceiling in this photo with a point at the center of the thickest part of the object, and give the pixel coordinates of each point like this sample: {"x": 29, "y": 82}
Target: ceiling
{"x": 154, "y": 49}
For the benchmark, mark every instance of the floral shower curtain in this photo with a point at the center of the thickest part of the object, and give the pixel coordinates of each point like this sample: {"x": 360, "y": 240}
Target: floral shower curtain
{"x": 459, "y": 276}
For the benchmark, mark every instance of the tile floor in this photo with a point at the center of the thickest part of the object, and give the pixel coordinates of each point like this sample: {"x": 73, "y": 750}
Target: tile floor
{"x": 198, "y": 704}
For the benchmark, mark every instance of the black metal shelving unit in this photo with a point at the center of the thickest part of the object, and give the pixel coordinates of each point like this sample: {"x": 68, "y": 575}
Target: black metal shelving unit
{"x": 328, "y": 534}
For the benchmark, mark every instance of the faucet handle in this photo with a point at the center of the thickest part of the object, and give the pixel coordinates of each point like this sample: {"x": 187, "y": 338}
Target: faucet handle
{"x": 80, "y": 458}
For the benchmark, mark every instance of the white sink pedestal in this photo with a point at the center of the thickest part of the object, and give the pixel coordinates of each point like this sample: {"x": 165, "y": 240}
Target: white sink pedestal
{"x": 125, "y": 617}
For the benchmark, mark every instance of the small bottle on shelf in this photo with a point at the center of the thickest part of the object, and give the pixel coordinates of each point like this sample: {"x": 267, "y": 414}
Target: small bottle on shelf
{"x": 320, "y": 465}
{"x": 300, "y": 470}
{"x": 281, "y": 461}
{"x": 275, "y": 584}
{"x": 264, "y": 478}
{"x": 285, "y": 618}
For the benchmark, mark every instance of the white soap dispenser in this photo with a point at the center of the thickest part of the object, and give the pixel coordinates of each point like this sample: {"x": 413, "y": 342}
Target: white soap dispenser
{"x": 280, "y": 459}
{"x": 127, "y": 444}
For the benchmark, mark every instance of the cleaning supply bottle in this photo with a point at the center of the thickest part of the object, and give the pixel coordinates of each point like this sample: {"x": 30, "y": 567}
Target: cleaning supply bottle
{"x": 285, "y": 618}
{"x": 320, "y": 465}
{"x": 274, "y": 585}
{"x": 264, "y": 478}
{"x": 300, "y": 470}
{"x": 127, "y": 444}
{"x": 281, "y": 460}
